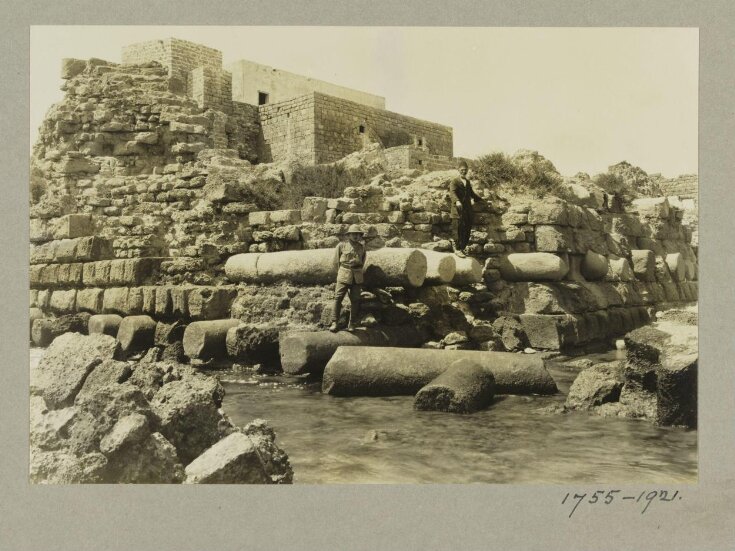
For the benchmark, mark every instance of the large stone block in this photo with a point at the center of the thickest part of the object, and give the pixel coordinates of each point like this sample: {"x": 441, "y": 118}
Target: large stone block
{"x": 90, "y": 300}
{"x": 314, "y": 209}
{"x": 72, "y": 226}
{"x": 619, "y": 270}
{"x": 63, "y": 302}
{"x": 554, "y": 239}
{"x": 208, "y": 303}
{"x": 115, "y": 301}
{"x": 549, "y": 332}
{"x": 533, "y": 267}
{"x": 551, "y": 211}
{"x": 594, "y": 266}
{"x": 652, "y": 207}
{"x": 677, "y": 266}
{"x": 285, "y": 216}
{"x": 205, "y": 340}
{"x": 644, "y": 264}
{"x": 232, "y": 460}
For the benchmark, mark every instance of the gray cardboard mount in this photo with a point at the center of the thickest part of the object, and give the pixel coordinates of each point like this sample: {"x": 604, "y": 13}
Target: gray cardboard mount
{"x": 425, "y": 517}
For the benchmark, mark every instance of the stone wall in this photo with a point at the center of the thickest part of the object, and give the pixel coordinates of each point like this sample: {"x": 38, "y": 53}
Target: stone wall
{"x": 210, "y": 88}
{"x": 338, "y": 125}
{"x": 288, "y": 130}
{"x": 250, "y": 78}
{"x": 179, "y": 57}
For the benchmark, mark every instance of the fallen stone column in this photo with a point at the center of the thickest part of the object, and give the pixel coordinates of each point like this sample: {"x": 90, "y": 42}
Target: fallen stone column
{"x": 440, "y": 267}
{"x": 533, "y": 267}
{"x": 388, "y": 266}
{"x": 395, "y": 267}
{"x": 45, "y": 330}
{"x": 309, "y": 352}
{"x": 463, "y": 388}
{"x": 136, "y": 333}
{"x": 105, "y": 324}
{"x": 242, "y": 267}
{"x": 365, "y": 371}
{"x": 468, "y": 271}
{"x": 317, "y": 266}
{"x": 204, "y": 340}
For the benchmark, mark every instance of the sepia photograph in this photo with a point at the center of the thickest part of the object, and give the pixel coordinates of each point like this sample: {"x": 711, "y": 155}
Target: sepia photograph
{"x": 363, "y": 255}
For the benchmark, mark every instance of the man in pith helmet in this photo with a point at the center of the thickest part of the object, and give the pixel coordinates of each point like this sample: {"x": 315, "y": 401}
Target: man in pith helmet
{"x": 351, "y": 261}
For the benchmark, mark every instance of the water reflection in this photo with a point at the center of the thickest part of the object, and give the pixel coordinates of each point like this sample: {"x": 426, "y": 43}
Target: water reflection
{"x": 383, "y": 440}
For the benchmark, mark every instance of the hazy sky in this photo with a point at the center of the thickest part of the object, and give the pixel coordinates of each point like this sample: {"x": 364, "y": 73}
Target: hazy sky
{"x": 583, "y": 97}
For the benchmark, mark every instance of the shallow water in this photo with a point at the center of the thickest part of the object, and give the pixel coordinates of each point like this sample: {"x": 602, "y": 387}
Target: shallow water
{"x": 383, "y": 440}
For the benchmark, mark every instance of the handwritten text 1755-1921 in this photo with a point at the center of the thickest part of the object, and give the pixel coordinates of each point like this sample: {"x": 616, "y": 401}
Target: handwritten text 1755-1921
{"x": 644, "y": 499}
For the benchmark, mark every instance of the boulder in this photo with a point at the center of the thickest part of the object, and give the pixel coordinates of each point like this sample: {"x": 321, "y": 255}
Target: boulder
{"x": 252, "y": 343}
{"x": 106, "y": 373}
{"x": 619, "y": 269}
{"x": 70, "y": 358}
{"x": 366, "y": 371}
{"x": 677, "y": 266}
{"x": 465, "y": 387}
{"x": 676, "y": 390}
{"x": 105, "y": 324}
{"x": 136, "y": 333}
{"x": 533, "y": 267}
{"x": 232, "y": 460}
{"x": 204, "y": 340}
{"x": 595, "y": 386}
{"x": 309, "y": 352}
{"x": 45, "y": 330}
{"x": 274, "y": 459}
{"x": 189, "y": 414}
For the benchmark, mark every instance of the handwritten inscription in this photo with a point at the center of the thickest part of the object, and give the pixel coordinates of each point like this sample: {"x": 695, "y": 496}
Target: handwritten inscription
{"x": 609, "y": 497}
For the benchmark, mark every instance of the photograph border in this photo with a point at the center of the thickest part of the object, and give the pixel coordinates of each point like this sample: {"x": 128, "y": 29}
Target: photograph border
{"x": 426, "y": 517}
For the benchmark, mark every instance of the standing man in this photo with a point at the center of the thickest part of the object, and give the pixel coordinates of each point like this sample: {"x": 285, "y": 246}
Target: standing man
{"x": 351, "y": 261}
{"x": 461, "y": 197}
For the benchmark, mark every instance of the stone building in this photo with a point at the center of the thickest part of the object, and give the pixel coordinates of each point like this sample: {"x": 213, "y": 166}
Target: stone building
{"x": 300, "y": 118}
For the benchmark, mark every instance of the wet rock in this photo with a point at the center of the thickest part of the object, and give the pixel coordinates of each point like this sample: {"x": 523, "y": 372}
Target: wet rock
{"x": 232, "y": 460}
{"x": 190, "y": 416}
{"x": 62, "y": 371}
{"x": 274, "y": 459}
{"x": 595, "y": 386}
{"x": 45, "y": 330}
{"x": 676, "y": 391}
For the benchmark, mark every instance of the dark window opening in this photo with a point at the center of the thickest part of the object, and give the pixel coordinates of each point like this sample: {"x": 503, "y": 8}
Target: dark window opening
{"x": 362, "y": 129}
{"x": 421, "y": 142}
{"x": 421, "y": 162}
{"x": 262, "y": 98}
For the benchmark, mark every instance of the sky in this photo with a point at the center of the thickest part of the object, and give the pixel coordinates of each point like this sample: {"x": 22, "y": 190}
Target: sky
{"x": 585, "y": 98}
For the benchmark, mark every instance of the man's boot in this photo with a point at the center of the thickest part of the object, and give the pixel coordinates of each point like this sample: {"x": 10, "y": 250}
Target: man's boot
{"x": 335, "y": 318}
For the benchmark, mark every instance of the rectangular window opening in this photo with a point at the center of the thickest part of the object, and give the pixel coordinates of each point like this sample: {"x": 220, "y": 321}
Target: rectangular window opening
{"x": 362, "y": 129}
{"x": 262, "y": 98}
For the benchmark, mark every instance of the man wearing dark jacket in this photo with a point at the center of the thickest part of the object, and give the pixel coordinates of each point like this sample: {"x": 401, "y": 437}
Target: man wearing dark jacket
{"x": 461, "y": 197}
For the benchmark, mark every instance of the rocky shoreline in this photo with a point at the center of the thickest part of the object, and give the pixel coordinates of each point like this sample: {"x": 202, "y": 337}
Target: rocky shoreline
{"x": 98, "y": 419}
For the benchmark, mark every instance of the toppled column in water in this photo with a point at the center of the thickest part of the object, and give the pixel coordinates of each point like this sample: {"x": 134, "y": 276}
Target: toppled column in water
{"x": 463, "y": 388}
{"x": 387, "y": 266}
{"x": 365, "y": 371}
{"x": 309, "y": 352}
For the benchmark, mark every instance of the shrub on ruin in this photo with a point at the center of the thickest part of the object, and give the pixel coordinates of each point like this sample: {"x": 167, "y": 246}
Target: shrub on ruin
{"x": 497, "y": 170}
{"x": 494, "y": 168}
{"x": 611, "y": 183}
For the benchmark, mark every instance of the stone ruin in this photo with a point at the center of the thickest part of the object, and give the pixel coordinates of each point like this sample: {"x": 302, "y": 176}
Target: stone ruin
{"x": 149, "y": 176}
